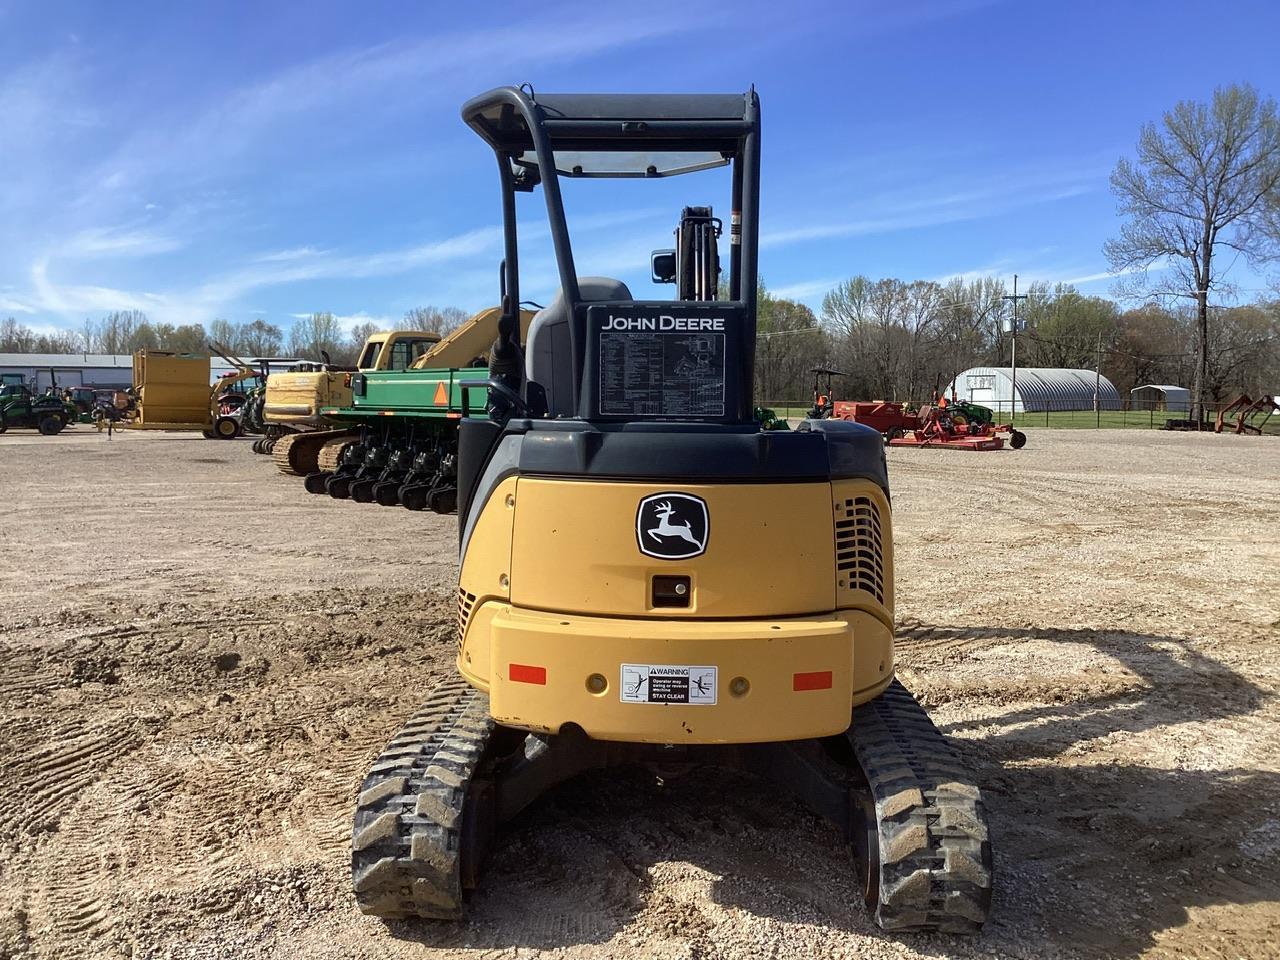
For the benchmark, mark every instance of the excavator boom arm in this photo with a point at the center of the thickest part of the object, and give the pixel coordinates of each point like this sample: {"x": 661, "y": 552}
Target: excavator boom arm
{"x": 472, "y": 339}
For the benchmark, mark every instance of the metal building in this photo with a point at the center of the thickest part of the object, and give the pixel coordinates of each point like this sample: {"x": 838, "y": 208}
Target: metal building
{"x": 98, "y": 370}
{"x": 1039, "y": 388}
{"x": 1160, "y": 396}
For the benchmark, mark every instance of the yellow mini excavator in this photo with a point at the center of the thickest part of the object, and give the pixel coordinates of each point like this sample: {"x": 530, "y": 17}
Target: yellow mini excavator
{"x": 648, "y": 576}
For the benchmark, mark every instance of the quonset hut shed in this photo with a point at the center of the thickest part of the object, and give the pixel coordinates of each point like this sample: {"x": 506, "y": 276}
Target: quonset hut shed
{"x": 1039, "y": 388}
{"x": 1160, "y": 396}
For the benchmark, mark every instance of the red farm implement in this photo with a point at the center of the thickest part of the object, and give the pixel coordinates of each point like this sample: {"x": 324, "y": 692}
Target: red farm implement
{"x": 1246, "y": 415}
{"x": 955, "y": 426}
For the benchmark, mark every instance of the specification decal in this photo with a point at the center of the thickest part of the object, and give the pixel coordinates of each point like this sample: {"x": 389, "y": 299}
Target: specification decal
{"x": 653, "y": 373}
{"x": 665, "y": 683}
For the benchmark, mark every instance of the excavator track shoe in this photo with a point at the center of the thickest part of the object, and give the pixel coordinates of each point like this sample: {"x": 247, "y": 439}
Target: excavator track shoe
{"x": 330, "y": 455}
{"x": 407, "y": 838}
{"x": 298, "y": 454}
{"x": 930, "y": 855}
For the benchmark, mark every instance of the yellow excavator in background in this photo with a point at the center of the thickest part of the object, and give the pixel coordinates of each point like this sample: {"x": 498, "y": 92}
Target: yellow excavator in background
{"x": 298, "y": 429}
{"x": 292, "y": 411}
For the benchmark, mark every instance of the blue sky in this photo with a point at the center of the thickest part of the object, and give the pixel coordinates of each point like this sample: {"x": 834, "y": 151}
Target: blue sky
{"x": 246, "y": 160}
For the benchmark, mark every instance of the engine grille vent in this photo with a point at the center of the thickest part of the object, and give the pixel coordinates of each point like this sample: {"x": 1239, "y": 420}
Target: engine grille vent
{"x": 859, "y": 554}
{"x": 466, "y": 602}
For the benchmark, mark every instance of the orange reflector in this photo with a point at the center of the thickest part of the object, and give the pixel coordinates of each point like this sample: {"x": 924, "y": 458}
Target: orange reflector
{"x": 820, "y": 680}
{"x": 441, "y": 399}
{"x": 453, "y": 416}
{"x": 523, "y": 673}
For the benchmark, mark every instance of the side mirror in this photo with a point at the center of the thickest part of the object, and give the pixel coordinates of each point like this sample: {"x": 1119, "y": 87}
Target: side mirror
{"x": 663, "y": 263}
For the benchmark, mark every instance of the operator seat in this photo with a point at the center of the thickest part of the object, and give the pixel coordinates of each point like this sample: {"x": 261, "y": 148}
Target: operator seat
{"x": 549, "y": 349}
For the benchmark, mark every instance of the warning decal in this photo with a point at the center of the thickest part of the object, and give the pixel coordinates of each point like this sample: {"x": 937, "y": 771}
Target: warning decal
{"x": 667, "y": 683}
{"x": 662, "y": 374}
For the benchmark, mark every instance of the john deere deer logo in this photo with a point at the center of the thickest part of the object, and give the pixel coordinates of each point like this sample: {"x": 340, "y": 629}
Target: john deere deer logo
{"x": 672, "y": 526}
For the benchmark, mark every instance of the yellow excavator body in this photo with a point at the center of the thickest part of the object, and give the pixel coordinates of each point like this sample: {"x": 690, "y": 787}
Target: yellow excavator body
{"x": 556, "y": 601}
{"x": 298, "y": 397}
{"x": 651, "y": 574}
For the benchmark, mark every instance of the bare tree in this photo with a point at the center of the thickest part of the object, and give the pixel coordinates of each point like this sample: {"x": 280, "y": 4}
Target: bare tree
{"x": 1243, "y": 352}
{"x": 261, "y": 339}
{"x": 921, "y": 320}
{"x": 360, "y": 333}
{"x": 16, "y": 337}
{"x": 791, "y": 344}
{"x": 226, "y": 334}
{"x": 1201, "y": 181}
{"x": 315, "y": 333}
{"x": 434, "y": 319}
{"x": 116, "y": 330}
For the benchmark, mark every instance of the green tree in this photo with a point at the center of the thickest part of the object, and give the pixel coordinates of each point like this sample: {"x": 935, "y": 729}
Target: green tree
{"x": 188, "y": 338}
{"x": 1066, "y": 328}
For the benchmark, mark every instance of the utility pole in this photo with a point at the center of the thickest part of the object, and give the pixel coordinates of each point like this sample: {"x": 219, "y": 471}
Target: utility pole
{"x": 1013, "y": 399}
{"x": 1097, "y": 384}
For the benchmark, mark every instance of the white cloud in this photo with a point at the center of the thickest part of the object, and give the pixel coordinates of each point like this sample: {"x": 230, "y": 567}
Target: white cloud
{"x": 1160, "y": 264}
{"x": 804, "y": 289}
{"x": 349, "y": 321}
{"x": 175, "y": 163}
{"x": 368, "y": 79}
{"x": 898, "y": 209}
{"x": 318, "y": 266}
{"x": 118, "y": 241}
{"x": 296, "y": 253}
{"x": 15, "y": 306}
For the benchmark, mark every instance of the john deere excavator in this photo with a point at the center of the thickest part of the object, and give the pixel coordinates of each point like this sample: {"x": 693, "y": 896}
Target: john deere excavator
{"x": 649, "y": 577}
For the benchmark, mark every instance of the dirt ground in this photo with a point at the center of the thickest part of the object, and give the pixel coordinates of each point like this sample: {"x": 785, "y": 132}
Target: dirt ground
{"x": 198, "y": 661}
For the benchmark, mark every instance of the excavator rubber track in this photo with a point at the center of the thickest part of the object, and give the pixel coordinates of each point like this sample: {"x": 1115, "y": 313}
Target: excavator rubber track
{"x": 407, "y": 838}
{"x": 930, "y": 852}
{"x": 330, "y": 454}
{"x": 921, "y": 840}
{"x": 296, "y": 453}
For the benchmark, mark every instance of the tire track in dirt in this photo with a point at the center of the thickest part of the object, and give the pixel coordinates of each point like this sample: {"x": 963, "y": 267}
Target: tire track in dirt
{"x": 257, "y": 765}
{"x": 1120, "y": 711}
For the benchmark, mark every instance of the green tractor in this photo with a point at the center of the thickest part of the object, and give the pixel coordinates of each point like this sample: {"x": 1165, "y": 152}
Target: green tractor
{"x": 19, "y": 407}
{"x": 972, "y": 412}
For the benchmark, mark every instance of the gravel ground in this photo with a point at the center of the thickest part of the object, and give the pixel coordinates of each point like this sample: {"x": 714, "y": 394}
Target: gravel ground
{"x": 198, "y": 661}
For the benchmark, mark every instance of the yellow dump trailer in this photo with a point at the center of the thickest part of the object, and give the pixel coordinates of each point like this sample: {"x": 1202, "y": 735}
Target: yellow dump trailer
{"x": 173, "y": 390}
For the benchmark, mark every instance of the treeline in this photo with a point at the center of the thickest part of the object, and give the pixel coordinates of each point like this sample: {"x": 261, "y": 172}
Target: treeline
{"x": 901, "y": 340}
{"x": 892, "y": 339}
{"x": 126, "y": 331}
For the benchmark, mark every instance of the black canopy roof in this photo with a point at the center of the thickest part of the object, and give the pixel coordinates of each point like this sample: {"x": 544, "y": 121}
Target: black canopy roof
{"x": 646, "y": 134}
